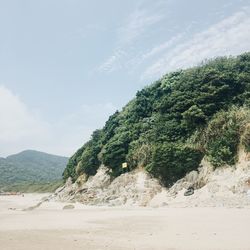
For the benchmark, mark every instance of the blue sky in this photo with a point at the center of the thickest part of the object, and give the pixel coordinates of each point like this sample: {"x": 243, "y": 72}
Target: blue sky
{"x": 66, "y": 65}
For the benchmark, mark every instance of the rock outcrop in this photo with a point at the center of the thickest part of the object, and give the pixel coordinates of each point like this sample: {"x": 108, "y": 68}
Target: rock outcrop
{"x": 133, "y": 188}
{"x": 226, "y": 186}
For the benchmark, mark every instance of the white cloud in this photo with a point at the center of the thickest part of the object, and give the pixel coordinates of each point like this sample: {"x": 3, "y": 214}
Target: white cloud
{"x": 22, "y": 129}
{"x": 135, "y": 26}
{"x": 231, "y": 36}
{"x": 164, "y": 46}
{"x": 138, "y": 22}
{"x": 18, "y": 125}
{"x": 131, "y": 59}
{"x": 113, "y": 62}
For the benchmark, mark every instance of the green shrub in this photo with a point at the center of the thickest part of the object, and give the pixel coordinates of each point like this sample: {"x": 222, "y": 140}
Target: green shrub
{"x": 115, "y": 151}
{"x": 139, "y": 154}
{"x": 194, "y": 117}
{"x": 223, "y": 134}
{"x": 171, "y": 162}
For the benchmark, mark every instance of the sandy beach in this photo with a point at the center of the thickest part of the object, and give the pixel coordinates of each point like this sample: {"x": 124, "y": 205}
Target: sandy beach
{"x": 50, "y": 227}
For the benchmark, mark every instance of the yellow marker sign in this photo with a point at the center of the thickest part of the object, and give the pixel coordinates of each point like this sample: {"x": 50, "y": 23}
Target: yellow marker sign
{"x": 124, "y": 165}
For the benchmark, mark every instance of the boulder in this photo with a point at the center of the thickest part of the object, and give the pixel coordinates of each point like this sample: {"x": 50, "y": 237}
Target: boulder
{"x": 67, "y": 207}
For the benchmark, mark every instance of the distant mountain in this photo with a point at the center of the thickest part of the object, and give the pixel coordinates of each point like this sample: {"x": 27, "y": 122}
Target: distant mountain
{"x": 31, "y": 167}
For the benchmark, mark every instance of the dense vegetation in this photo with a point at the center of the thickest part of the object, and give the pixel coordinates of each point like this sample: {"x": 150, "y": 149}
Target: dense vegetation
{"x": 29, "y": 169}
{"x": 172, "y": 124}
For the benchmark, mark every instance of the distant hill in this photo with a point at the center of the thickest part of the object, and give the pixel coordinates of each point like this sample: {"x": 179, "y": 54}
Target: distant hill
{"x": 31, "y": 167}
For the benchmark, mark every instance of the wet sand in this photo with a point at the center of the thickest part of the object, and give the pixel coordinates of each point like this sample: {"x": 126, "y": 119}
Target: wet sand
{"x": 49, "y": 227}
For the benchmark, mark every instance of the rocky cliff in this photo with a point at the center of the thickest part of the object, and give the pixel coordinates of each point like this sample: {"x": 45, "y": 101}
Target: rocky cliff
{"x": 226, "y": 186}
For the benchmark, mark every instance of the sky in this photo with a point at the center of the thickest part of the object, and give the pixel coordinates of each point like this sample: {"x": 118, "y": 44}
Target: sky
{"x": 67, "y": 65}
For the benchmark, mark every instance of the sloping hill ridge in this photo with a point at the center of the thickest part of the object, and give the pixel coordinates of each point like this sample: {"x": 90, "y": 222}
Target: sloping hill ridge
{"x": 171, "y": 125}
{"x": 31, "y": 167}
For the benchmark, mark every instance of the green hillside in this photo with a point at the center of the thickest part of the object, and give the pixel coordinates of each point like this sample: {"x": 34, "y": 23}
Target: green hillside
{"x": 172, "y": 124}
{"x": 28, "y": 167}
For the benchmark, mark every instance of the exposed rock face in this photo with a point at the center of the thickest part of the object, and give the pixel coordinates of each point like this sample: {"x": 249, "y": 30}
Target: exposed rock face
{"x": 134, "y": 188}
{"x": 225, "y": 186}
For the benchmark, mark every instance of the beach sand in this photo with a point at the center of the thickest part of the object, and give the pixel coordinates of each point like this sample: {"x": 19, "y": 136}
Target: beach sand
{"x": 49, "y": 227}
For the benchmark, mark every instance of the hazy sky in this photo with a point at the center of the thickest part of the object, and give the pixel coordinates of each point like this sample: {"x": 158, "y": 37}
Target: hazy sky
{"x": 66, "y": 65}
